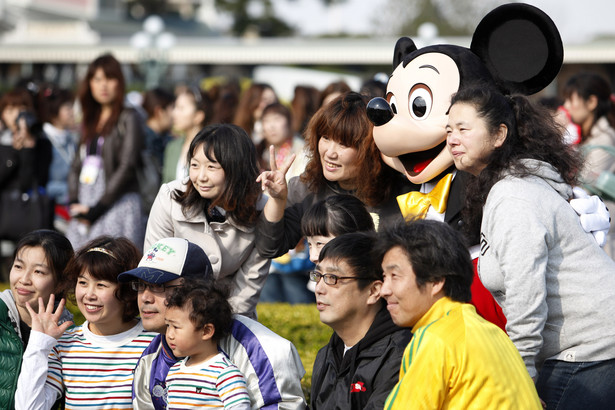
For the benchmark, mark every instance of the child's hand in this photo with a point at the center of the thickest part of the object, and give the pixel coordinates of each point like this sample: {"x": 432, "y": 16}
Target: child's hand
{"x": 46, "y": 320}
{"x": 274, "y": 181}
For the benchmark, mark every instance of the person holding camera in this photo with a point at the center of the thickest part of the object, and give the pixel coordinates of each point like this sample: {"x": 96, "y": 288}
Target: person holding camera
{"x": 25, "y": 156}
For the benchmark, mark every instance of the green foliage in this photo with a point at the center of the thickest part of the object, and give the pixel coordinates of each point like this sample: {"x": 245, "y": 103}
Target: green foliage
{"x": 265, "y": 25}
{"x": 301, "y": 325}
{"x": 77, "y": 315}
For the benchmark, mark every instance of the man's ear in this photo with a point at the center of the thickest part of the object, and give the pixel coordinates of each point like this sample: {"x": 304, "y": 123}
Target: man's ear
{"x": 374, "y": 292}
{"x": 208, "y": 331}
{"x": 437, "y": 287}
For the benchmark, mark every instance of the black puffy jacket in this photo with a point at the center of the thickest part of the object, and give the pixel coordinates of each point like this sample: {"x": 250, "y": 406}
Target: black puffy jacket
{"x": 364, "y": 376}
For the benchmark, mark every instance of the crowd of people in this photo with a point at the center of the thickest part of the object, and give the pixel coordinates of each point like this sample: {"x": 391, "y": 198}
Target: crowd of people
{"x": 171, "y": 218}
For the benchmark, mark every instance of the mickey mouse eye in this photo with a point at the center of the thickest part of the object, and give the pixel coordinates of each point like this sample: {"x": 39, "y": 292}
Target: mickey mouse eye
{"x": 420, "y": 102}
{"x": 392, "y": 102}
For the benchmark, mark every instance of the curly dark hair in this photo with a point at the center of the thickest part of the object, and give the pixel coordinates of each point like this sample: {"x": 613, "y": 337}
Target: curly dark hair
{"x": 344, "y": 120}
{"x": 208, "y": 304}
{"x": 121, "y": 255}
{"x": 234, "y": 151}
{"x": 435, "y": 251}
{"x": 532, "y": 134}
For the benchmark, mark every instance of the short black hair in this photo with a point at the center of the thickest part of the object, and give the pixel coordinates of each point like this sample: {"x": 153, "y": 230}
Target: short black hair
{"x": 208, "y": 304}
{"x": 435, "y": 251}
{"x": 104, "y": 258}
{"x": 58, "y": 253}
{"x": 356, "y": 250}
{"x": 336, "y": 215}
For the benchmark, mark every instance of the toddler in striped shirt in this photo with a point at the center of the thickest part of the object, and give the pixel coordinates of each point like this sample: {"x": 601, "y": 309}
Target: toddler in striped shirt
{"x": 198, "y": 315}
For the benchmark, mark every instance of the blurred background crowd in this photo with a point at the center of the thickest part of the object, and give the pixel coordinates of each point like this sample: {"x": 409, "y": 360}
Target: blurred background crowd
{"x": 140, "y": 71}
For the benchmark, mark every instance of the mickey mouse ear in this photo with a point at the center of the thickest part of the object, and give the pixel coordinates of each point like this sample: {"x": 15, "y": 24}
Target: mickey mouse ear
{"x": 521, "y": 47}
{"x": 403, "y": 47}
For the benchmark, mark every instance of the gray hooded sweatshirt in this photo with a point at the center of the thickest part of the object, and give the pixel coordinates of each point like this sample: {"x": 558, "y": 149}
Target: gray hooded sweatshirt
{"x": 555, "y": 285}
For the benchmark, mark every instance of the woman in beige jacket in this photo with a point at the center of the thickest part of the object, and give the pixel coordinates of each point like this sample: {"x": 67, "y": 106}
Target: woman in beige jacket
{"x": 216, "y": 208}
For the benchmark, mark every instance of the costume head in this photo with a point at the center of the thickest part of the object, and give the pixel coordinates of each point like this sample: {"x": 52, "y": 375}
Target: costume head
{"x": 516, "y": 47}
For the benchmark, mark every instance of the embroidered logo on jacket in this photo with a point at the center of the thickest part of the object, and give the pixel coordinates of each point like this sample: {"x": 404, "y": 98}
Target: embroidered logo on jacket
{"x": 357, "y": 387}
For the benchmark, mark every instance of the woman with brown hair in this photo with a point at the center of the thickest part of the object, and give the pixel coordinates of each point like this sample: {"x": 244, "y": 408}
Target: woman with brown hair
{"x": 343, "y": 159}
{"x": 250, "y": 109}
{"x": 103, "y": 186}
{"x": 192, "y": 111}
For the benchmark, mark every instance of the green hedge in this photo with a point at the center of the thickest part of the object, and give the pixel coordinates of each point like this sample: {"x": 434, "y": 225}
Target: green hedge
{"x": 301, "y": 325}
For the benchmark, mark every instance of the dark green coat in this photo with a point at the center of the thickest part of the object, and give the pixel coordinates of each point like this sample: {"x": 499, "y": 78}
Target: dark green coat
{"x": 11, "y": 352}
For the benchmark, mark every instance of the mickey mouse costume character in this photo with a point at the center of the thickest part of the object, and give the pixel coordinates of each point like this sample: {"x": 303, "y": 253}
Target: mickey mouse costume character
{"x": 517, "y": 48}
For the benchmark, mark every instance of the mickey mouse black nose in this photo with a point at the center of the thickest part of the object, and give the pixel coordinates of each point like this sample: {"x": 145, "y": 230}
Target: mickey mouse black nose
{"x": 379, "y": 111}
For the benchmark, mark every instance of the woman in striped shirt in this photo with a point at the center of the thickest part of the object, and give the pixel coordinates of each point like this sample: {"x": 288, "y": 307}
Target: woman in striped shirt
{"x": 92, "y": 364}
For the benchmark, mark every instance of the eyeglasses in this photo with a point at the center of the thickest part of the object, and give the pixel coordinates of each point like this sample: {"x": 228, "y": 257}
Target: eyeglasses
{"x": 331, "y": 279}
{"x": 138, "y": 286}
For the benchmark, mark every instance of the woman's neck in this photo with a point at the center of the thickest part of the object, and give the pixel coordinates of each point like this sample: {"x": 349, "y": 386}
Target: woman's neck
{"x": 286, "y": 143}
{"x": 105, "y": 114}
{"x": 190, "y": 134}
{"x": 154, "y": 125}
{"x": 111, "y": 327}
{"x": 586, "y": 127}
{"x": 347, "y": 185}
{"x": 24, "y": 315}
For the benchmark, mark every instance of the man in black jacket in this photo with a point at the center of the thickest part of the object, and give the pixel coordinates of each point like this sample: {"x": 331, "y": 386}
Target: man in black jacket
{"x": 360, "y": 365}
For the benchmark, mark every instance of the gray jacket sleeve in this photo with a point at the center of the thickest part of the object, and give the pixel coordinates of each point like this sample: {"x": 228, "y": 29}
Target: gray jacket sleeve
{"x": 141, "y": 399}
{"x": 518, "y": 239}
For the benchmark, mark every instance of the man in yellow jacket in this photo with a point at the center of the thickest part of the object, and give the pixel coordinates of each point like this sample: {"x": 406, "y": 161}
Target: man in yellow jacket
{"x": 456, "y": 359}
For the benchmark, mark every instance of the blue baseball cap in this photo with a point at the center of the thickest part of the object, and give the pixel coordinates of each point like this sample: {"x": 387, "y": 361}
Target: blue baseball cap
{"x": 169, "y": 259}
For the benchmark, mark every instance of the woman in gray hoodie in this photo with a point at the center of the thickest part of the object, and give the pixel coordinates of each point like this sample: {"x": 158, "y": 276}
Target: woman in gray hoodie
{"x": 556, "y": 286}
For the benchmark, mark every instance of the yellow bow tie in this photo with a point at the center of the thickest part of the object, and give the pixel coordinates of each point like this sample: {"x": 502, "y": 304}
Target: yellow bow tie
{"x": 417, "y": 203}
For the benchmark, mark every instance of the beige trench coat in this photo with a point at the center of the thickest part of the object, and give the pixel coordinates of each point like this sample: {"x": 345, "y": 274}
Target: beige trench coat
{"x": 230, "y": 248}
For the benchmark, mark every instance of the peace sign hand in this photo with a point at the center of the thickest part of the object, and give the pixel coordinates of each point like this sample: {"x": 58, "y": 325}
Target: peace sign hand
{"x": 46, "y": 320}
{"x": 274, "y": 182}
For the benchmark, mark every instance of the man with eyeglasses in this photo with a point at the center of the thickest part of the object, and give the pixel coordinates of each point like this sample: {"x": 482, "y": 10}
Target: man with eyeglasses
{"x": 360, "y": 365}
{"x": 271, "y": 365}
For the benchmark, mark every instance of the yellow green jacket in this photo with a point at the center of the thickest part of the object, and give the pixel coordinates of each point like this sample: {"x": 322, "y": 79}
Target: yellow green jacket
{"x": 458, "y": 360}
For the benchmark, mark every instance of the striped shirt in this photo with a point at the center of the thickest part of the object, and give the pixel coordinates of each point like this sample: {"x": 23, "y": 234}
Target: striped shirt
{"x": 95, "y": 372}
{"x": 215, "y": 383}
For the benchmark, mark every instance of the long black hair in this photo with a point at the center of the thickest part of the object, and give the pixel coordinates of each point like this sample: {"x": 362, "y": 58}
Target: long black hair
{"x": 234, "y": 151}
{"x": 586, "y": 84}
{"x": 532, "y": 134}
